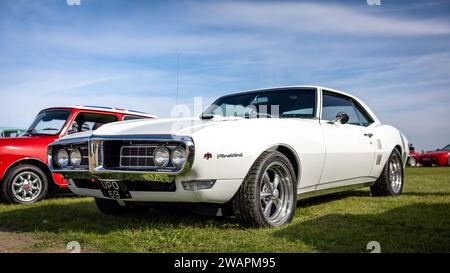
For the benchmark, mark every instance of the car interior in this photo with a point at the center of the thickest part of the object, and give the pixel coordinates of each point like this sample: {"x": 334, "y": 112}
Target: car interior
{"x": 86, "y": 121}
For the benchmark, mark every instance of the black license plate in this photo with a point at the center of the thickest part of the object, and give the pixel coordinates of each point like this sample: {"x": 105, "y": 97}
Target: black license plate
{"x": 114, "y": 189}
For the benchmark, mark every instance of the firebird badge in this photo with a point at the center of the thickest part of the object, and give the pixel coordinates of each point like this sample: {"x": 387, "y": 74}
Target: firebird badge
{"x": 229, "y": 155}
{"x": 207, "y": 156}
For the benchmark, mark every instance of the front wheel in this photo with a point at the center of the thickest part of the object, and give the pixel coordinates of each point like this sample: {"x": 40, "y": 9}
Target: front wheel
{"x": 24, "y": 184}
{"x": 390, "y": 182}
{"x": 267, "y": 196}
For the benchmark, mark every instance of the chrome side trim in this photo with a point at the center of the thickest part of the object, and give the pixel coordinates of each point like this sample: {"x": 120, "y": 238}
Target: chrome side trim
{"x": 314, "y": 193}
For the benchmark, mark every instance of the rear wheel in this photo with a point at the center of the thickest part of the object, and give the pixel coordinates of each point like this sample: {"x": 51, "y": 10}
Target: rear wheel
{"x": 24, "y": 184}
{"x": 267, "y": 196}
{"x": 390, "y": 182}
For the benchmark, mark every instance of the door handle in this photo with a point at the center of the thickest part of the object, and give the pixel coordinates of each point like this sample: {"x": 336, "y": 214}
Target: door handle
{"x": 368, "y": 135}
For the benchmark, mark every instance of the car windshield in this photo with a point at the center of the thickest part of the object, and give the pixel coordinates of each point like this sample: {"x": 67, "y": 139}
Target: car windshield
{"x": 446, "y": 148}
{"x": 281, "y": 103}
{"x": 49, "y": 122}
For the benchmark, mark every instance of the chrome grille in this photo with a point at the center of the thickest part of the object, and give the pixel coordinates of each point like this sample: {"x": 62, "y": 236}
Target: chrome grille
{"x": 84, "y": 156}
{"x": 137, "y": 156}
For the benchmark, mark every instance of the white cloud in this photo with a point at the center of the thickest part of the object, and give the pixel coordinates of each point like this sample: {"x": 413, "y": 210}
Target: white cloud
{"x": 315, "y": 18}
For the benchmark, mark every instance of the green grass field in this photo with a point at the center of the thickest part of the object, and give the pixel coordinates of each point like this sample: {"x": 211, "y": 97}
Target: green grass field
{"x": 417, "y": 221}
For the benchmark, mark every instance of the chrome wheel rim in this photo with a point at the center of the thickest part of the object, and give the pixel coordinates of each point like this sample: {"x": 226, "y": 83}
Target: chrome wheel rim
{"x": 395, "y": 173}
{"x": 26, "y": 186}
{"x": 276, "y": 192}
{"x": 412, "y": 161}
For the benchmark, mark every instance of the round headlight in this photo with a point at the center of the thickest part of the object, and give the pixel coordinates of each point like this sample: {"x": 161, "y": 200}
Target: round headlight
{"x": 161, "y": 156}
{"x": 62, "y": 157}
{"x": 178, "y": 157}
{"x": 75, "y": 157}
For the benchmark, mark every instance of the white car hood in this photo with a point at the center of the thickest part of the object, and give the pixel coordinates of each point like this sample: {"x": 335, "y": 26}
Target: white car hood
{"x": 173, "y": 126}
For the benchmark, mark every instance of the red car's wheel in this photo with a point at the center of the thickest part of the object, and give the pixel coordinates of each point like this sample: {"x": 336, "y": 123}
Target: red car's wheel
{"x": 24, "y": 184}
{"x": 412, "y": 162}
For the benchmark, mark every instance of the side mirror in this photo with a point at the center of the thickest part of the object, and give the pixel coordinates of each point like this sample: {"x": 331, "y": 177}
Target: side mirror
{"x": 342, "y": 117}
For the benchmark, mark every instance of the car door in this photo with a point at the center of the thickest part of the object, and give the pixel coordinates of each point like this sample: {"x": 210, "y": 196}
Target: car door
{"x": 350, "y": 149}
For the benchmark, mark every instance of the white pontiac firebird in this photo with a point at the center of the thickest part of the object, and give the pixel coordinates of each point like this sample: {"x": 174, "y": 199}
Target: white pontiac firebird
{"x": 256, "y": 152}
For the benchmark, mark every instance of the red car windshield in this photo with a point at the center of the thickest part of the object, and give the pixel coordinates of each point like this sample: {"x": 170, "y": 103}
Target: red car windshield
{"x": 446, "y": 148}
{"x": 49, "y": 122}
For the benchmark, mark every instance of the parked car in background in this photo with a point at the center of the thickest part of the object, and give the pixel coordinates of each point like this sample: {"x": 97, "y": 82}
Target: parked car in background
{"x": 24, "y": 175}
{"x": 440, "y": 157}
{"x": 413, "y": 157}
{"x": 10, "y": 132}
{"x": 253, "y": 153}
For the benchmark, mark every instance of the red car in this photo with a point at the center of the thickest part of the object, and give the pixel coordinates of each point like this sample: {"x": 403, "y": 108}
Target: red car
{"x": 24, "y": 175}
{"x": 439, "y": 157}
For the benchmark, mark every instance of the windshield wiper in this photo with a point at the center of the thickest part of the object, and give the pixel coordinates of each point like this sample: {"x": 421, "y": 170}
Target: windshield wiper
{"x": 34, "y": 131}
{"x": 264, "y": 114}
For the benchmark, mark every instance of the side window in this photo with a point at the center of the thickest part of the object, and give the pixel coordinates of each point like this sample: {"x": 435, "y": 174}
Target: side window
{"x": 86, "y": 121}
{"x": 333, "y": 104}
{"x": 363, "y": 117}
{"x": 128, "y": 117}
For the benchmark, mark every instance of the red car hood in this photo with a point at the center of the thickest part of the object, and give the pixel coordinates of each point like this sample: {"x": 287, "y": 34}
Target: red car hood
{"x": 435, "y": 153}
{"x": 25, "y": 140}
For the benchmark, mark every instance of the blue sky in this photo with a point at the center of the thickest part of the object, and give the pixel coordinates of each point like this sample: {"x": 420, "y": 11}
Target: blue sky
{"x": 396, "y": 56}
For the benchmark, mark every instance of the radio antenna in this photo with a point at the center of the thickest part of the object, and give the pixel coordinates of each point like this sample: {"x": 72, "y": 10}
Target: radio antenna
{"x": 178, "y": 77}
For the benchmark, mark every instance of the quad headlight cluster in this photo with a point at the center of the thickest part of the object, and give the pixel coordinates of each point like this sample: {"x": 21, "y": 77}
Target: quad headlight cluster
{"x": 163, "y": 156}
{"x": 66, "y": 157}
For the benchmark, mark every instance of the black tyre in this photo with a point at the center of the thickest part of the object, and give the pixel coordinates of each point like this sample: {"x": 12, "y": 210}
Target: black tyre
{"x": 112, "y": 207}
{"x": 390, "y": 182}
{"x": 268, "y": 194}
{"x": 24, "y": 184}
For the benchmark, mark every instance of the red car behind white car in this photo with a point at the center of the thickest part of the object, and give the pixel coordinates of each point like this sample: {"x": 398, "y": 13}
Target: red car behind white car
{"x": 440, "y": 157}
{"x": 24, "y": 175}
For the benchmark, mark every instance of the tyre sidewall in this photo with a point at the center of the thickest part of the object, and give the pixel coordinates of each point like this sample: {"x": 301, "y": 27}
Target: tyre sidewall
{"x": 13, "y": 173}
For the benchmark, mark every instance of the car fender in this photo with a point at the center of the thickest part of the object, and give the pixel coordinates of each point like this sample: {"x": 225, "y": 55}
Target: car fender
{"x": 387, "y": 138}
